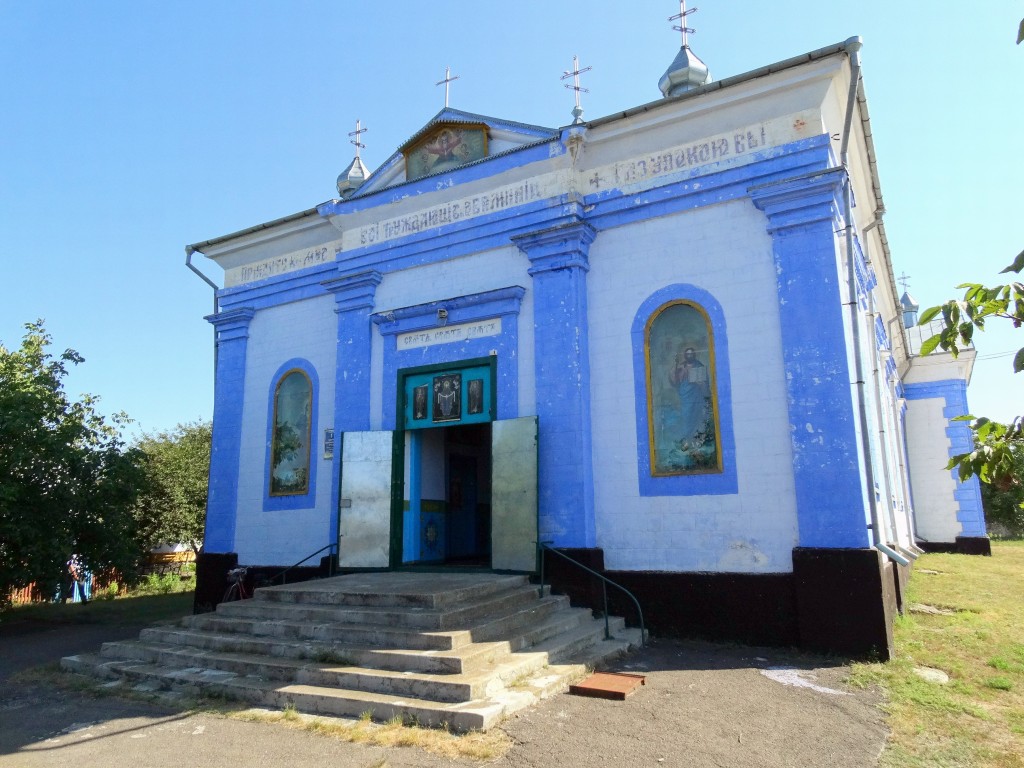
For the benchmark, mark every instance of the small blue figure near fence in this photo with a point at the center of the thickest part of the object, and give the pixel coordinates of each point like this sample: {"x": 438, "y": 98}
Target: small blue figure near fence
{"x": 76, "y": 582}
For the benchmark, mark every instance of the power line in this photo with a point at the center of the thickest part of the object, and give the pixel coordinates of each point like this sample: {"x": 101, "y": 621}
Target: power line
{"x": 994, "y": 355}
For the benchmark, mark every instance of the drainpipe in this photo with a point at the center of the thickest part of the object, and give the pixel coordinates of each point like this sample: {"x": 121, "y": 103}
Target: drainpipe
{"x": 880, "y": 413}
{"x": 853, "y": 46}
{"x": 189, "y": 250}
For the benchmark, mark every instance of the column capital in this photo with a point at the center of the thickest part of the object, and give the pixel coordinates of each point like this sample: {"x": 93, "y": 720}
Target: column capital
{"x": 800, "y": 200}
{"x": 355, "y": 290}
{"x": 563, "y": 246}
{"x": 232, "y": 323}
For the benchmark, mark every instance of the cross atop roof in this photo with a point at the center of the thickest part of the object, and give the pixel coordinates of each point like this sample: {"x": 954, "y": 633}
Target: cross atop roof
{"x": 448, "y": 79}
{"x": 577, "y": 112}
{"x": 681, "y": 26}
{"x": 358, "y": 144}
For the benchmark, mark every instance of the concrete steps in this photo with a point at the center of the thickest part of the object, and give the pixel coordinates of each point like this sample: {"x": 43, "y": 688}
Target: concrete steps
{"x": 460, "y": 649}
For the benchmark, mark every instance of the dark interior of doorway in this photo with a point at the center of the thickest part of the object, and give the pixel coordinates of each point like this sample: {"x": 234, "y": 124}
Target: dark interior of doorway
{"x": 467, "y": 451}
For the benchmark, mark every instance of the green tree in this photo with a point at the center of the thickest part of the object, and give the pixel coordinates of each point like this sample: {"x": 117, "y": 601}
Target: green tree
{"x": 67, "y": 481}
{"x": 172, "y": 505}
{"x": 1004, "y": 502}
{"x": 997, "y": 446}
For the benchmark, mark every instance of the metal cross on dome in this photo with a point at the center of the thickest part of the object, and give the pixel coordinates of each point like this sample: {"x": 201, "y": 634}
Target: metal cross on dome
{"x": 448, "y": 79}
{"x": 683, "y": 13}
{"x": 358, "y": 144}
{"x": 577, "y": 113}
{"x": 904, "y": 280}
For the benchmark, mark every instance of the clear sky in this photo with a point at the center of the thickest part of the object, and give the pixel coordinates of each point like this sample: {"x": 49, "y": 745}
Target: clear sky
{"x": 131, "y": 129}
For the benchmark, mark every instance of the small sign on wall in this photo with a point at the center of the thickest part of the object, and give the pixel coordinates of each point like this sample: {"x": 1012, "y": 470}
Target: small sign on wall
{"x": 462, "y": 332}
{"x": 329, "y": 443}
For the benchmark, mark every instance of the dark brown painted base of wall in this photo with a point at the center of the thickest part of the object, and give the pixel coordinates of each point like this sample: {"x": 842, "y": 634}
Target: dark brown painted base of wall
{"x": 964, "y": 545}
{"x": 846, "y": 601}
{"x": 901, "y": 575}
{"x": 732, "y": 607}
{"x": 212, "y": 577}
{"x": 838, "y": 601}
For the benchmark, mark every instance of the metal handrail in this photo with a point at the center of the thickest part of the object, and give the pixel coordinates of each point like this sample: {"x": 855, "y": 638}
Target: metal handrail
{"x": 330, "y": 568}
{"x": 605, "y": 581}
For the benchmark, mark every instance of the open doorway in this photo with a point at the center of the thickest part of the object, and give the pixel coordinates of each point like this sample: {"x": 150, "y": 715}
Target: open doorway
{"x": 447, "y": 520}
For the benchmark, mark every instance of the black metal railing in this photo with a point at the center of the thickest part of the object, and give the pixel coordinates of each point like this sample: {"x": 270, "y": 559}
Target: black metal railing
{"x": 545, "y": 546}
{"x": 330, "y": 566}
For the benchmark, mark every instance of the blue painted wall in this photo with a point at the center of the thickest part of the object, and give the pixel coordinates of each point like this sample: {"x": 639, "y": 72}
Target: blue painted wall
{"x": 222, "y": 502}
{"x": 565, "y": 479}
{"x": 503, "y": 303}
{"x": 802, "y": 215}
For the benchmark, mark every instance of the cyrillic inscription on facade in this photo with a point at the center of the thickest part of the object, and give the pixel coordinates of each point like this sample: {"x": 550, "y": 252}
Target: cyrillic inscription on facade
{"x": 449, "y": 333}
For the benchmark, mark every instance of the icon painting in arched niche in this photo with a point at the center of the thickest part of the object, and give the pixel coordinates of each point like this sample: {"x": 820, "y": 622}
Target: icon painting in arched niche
{"x": 681, "y": 399}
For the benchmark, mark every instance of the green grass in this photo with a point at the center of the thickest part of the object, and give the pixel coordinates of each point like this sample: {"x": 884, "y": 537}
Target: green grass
{"x": 154, "y": 584}
{"x": 977, "y": 719}
{"x": 131, "y": 609}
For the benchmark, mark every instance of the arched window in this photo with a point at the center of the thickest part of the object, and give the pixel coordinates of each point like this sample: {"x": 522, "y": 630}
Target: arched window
{"x": 682, "y": 408}
{"x": 290, "y": 441}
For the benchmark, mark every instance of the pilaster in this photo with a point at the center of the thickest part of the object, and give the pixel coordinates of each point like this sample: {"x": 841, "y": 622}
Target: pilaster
{"x": 559, "y": 265}
{"x": 802, "y": 215}
{"x": 354, "y": 300}
{"x": 232, "y": 328}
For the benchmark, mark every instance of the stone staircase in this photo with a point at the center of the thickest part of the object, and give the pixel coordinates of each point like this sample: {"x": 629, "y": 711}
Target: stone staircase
{"x": 456, "y": 649}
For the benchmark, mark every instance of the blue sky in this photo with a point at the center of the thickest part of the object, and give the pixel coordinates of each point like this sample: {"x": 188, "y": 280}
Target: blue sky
{"x": 131, "y": 129}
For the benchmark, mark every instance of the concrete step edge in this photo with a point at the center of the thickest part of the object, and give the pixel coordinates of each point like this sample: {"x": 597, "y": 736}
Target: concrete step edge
{"x": 450, "y": 687}
{"x": 424, "y": 618}
{"x": 318, "y": 593}
{"x": 465, "y": 716}
{"x": 323, "y": 631}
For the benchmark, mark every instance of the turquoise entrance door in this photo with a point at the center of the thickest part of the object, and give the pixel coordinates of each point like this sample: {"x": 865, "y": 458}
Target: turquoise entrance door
{"x": 447, "y": 412}
{"x": 469, "y": 495}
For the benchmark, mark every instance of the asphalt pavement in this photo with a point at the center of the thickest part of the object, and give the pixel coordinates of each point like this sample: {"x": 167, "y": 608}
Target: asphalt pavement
{"x": 702, "y": 705}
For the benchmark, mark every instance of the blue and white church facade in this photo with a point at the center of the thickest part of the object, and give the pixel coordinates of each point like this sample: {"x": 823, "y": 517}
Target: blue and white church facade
{"x": 666, "y": 342}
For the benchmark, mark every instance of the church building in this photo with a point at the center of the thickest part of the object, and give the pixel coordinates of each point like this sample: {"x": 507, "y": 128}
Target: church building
{"x": 667, "y": 343}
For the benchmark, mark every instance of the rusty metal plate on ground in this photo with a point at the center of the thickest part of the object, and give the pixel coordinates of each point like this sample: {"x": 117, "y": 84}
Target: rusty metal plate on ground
{"x": 608, "y": 685}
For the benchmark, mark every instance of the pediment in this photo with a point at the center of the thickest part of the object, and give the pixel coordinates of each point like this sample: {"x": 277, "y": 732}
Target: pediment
{"x": 453, "y": 139}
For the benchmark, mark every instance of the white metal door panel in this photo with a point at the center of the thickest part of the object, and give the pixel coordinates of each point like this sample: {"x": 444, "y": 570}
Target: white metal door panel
{"x": 365, "y": 515}
{"x": 514, "y": 494}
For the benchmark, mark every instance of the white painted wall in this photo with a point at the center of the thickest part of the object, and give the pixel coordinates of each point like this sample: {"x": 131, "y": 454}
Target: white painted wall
{"x": 306, "y": 329}
{"x": 932, "y": 485}
{"x": 725, "y": 250}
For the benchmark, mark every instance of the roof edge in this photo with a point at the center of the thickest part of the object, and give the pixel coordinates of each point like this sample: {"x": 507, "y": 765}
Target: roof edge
{"x": 717, "y": 85}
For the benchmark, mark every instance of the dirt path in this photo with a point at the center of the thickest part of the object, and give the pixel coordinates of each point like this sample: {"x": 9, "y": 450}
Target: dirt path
{"x": 703, "y": 705}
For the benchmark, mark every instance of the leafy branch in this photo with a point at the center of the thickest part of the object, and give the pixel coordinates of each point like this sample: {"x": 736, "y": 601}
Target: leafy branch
{"x": 961, "y": 317}
{"x": 995, "y": 444}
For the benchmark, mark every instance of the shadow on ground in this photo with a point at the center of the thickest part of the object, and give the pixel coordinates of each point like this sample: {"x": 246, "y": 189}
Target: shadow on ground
{"x": 702, "y": 705}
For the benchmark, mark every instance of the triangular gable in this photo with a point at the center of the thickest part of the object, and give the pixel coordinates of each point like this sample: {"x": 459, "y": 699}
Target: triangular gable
{"x": 502, "y": 136}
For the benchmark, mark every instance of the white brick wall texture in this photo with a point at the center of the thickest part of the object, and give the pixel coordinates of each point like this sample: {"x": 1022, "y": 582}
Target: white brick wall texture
{"x": 725, "y": 250}
{"x": 928, "y": 448}
{"x": 306, "y": 329}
